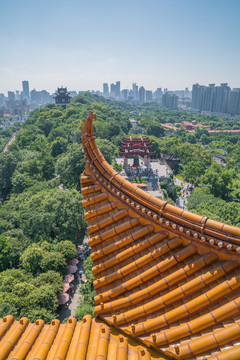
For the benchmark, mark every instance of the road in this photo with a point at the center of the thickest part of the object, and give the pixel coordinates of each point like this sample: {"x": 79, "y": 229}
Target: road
{"x": 182, "y": 200}
{"x": 13, "y": 137}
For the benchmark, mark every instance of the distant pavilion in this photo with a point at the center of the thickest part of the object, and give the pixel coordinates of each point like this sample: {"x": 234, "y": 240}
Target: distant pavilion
{"x": 135, "y": 147}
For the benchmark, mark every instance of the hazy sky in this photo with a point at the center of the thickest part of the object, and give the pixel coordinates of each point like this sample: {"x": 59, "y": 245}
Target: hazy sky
{"x": 83, "y": 43}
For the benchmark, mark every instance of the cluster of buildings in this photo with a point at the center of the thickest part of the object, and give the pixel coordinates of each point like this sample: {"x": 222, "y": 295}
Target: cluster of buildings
{"x": 10, "y": 120}
{"x": 217, "y": 100}
{"x": 21, "y": 102}
{"x": 136, "y": 94}
{"x": 140, "y": 95}
{"x": 211, "y": 100}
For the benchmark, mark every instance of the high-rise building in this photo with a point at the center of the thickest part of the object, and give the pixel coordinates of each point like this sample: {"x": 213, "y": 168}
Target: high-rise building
{"x": 105, "y": 90}
{"x": 25, "y": 86}
{"x": 208, "y": 98}
{"x": 170, "y": 101}
{"x": 113, "y": 91}
{"x": 234, "y": 102}
{"x": 135, "y": 91}
{"x": 186, "y": 92}
{"x": 222, "y": 98}
{"x": 197, "y": 97}
{"x": 148, "y": 95}
{"x": 117, "y": 90}
{"x": 125, "y": 93}
{"x": 2, "y": 99}
{"x": 238, "y": 105}
{"x": 142, "y": 94}
{"x": 11, "y": 96}
{"x": 217, "y": 99}
{"x": 158, "y": 94}
{"x": 34, "y": 96}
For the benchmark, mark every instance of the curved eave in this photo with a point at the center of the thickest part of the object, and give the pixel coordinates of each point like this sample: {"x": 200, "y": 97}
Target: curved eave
{"x": 86, "y": 339}
{"x": 204, "y": 231}
{"x": 163, "y": 274}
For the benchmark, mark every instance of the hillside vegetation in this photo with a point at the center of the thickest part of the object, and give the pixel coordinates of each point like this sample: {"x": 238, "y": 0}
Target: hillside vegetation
{"x": 41, "y": 215}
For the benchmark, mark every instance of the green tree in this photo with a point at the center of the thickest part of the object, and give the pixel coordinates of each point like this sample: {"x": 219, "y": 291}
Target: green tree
{"x": 108, "y": 149}
{"x": 31, "y": 259}
{"x": 8, "y": 308}
{"x": 67, "y": 249}
{"x": 23, "y": 289}
{"x": 204, "y": 139}
{"x": 58, "y": 146}
{"x": 20, "y": 182}
{"x": 39, "y": 313}
{"x": 191, "y": 138}
{"x": 11, "y": 277}
{"x": 28, "y": 136}
{"x": 199, "y": 131}
{"x": 217, "y": 179}
{"x": 117, "y": 167}
{"x": 136, "y": 130}
{"x": 6, "y": 259}
{"x": 42, "y": 297}
{"x": 53, "y": 261}
{"x": 114, "y": 129}
{"x": 46, "y": 214}
{"x": 47, "y": 167}
{"x": 8, "y": 163}
{"x": 82, "y": 310}
{"x": 51, "y": 278}
{"x": 192, "y": 171}
{"x": 45, "y": 125}
{"x": 70, "y": 165}
{"x": 154, "y": 128}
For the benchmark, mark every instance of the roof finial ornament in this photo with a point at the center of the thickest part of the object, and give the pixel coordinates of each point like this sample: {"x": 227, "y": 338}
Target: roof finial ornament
{"x": 87, "y": 127}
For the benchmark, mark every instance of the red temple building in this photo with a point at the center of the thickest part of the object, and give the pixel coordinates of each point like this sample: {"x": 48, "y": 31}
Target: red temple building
{"x": 135, "y": 147}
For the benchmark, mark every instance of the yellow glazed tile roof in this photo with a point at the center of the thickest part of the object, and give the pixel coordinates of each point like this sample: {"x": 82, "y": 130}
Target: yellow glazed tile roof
{"x": 165, "y": 275}
{"x": 88, "y": 339}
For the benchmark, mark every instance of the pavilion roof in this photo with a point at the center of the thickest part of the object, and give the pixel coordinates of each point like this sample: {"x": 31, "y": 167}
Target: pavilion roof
{"x": 162, "y": 273}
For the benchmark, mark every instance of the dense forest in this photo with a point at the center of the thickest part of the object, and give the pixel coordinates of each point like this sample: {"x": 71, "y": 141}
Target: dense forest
{"x": 41, "y": 215}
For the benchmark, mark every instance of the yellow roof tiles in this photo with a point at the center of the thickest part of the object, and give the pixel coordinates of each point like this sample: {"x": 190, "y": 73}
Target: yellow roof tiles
{"x": 162, "y": 273}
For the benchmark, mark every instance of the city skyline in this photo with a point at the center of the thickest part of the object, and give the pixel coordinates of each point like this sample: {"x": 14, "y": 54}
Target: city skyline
{"x": 154, "y": 43}
{"x": 101, "y": 91}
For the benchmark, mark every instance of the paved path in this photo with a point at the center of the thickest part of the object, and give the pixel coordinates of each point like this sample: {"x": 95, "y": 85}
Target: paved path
{"x": 182, "y": 200}
{"x": 162, "y": 169}
{"x": 13, "y": 137}
{"x": 74, "y": 296}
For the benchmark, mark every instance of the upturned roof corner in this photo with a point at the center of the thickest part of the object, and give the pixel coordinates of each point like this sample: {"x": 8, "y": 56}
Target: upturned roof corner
{"x": 87, "y": 128}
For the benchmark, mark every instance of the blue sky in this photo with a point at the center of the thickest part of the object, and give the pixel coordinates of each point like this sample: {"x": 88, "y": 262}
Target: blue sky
{"x": 156, "y": 43}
